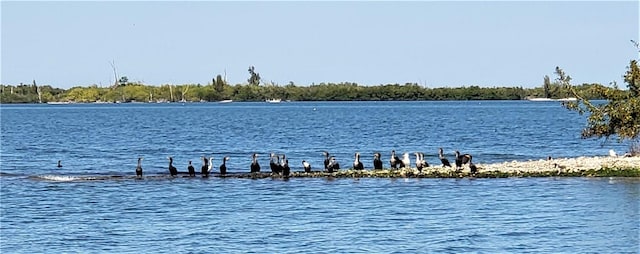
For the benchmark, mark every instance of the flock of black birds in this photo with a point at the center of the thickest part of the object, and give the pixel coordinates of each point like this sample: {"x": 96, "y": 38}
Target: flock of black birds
{"x": 279, "y": 164}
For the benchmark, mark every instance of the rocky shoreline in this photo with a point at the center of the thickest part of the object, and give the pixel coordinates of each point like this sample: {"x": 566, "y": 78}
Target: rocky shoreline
{"x": 570, "y": 167}
{"x": 580, "y": 166}
{"x": 561, "y": 167}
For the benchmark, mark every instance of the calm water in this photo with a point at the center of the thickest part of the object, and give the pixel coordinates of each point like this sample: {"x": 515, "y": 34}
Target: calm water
{"x": 46, "y": 209}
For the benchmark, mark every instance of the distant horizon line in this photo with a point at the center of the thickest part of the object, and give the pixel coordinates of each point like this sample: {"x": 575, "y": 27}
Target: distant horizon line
{"x": 312, "y": 84}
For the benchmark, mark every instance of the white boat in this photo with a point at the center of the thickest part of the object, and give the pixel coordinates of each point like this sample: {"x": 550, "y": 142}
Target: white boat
{"x": 273, "y": 101}
{"x": 540, "y": 99}
{"x": 225, "y": 101}
{"x": 549, "y": 99}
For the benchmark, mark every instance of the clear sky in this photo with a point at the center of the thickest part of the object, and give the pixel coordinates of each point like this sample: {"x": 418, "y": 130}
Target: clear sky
{"x": 436, "y": 44}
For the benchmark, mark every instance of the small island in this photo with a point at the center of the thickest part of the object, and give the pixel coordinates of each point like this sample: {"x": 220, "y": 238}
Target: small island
{"x": 565, "y": 167}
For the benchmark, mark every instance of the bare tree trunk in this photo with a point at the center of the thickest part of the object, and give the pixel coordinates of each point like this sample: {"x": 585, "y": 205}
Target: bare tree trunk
{"x": 38, "y": 91}
{"x": 184, "y": 91}
{"x": 171, "y": 92}
{"x": 115, "y": 74}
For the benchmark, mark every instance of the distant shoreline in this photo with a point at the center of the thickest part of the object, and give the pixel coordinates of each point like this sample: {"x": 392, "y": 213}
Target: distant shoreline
{"x": 345, "y": 91}
{"x": 283, "y": 101}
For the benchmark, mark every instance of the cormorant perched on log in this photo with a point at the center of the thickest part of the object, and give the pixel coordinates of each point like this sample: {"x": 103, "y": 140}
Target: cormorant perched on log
{"x": 326, "y": 160}
{"x": 283, "y": 162}
{"x": 458, "y": 160}
{"x": 172, "y": 170}
{"x": 418, "y": 162}
{"x": 405, "y": 162}
{"x": 306, "y": 166}
{"x": 445, "y": 162}
{"x": 394, "y": 161}
{"x": 191, "y": 169}
{"x": 274, "y": 163}
{"x": 357, "y": 164}
{"x": 255, "y": 166}
{"x": 473, "y": 168}
{"x": 377, "y": 163}
{"x": 59, "y": 163}
{"x": 425, "y": 164}
{"x": 138, "y": 168}
{"x": 223, "y": 166}
{"x": 204, "y": 170}
{"x": 421, "y": 162}
{"x": 333, "y": 165}
{"x": 286, "y": 171}
{"x": 467, "y": 159}
{"x": 461, "y": 159}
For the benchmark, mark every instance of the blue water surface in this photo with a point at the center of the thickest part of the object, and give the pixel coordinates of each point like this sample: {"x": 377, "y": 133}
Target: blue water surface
{"x": 45, "y": 209}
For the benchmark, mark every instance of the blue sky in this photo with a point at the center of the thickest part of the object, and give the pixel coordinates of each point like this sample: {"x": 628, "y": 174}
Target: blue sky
{"x": 436, "y": 44}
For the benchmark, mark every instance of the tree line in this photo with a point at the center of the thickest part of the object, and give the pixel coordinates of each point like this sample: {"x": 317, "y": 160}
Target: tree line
{"x": 218, "y": 90}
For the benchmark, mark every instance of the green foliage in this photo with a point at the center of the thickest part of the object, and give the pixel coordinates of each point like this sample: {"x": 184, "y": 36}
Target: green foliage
{"x": 619, "y": 116}
{"x": 547, "y": 87}
{"x": 220, "y": 90}
{"x": 254, "y": 79}
{"x": 29, "y": 93}
{"x": 123, "y": 81}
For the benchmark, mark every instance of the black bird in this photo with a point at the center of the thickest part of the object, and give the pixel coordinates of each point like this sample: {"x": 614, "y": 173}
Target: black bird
{"x": 255, "y": 166}
{"x": 467, "y": 159}
{"x": 306, "y": 166}
{"x": 473, "y": 168}
{"x": 326, "y": 160}
{"x": 223, "y": 166}
{"x": 458, "y": 160}
{"x": 333, "y": 165}
{"x": 191, "y": 169}
{"x": 418, "y": 162}
{"x": 274, "y": 163}
{"x": 204, "y": 170}
{"x": 172, "y": 170}
{"x": 395, "y": 160}
{"x": 138, "y": 168}
{"x": 282, "y": 163}
{"x": 424, "y": 162}
{"x": 377, "y": 163}
{"x": 286, "y": 171}
{"x": 357, "y": 164}
{"x": 445, "y": 162}
{"x": 59, "y": 163}
{"x": 461, "y": 159}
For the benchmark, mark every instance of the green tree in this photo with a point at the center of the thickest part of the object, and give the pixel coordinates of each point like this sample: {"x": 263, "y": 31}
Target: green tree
{"x": 254, "y": 79}
{"x": 123, "y": 81}
{"x": 619, "y": 116}
{"x": 218, "y": 84}
{"x": 547, "y": 87}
